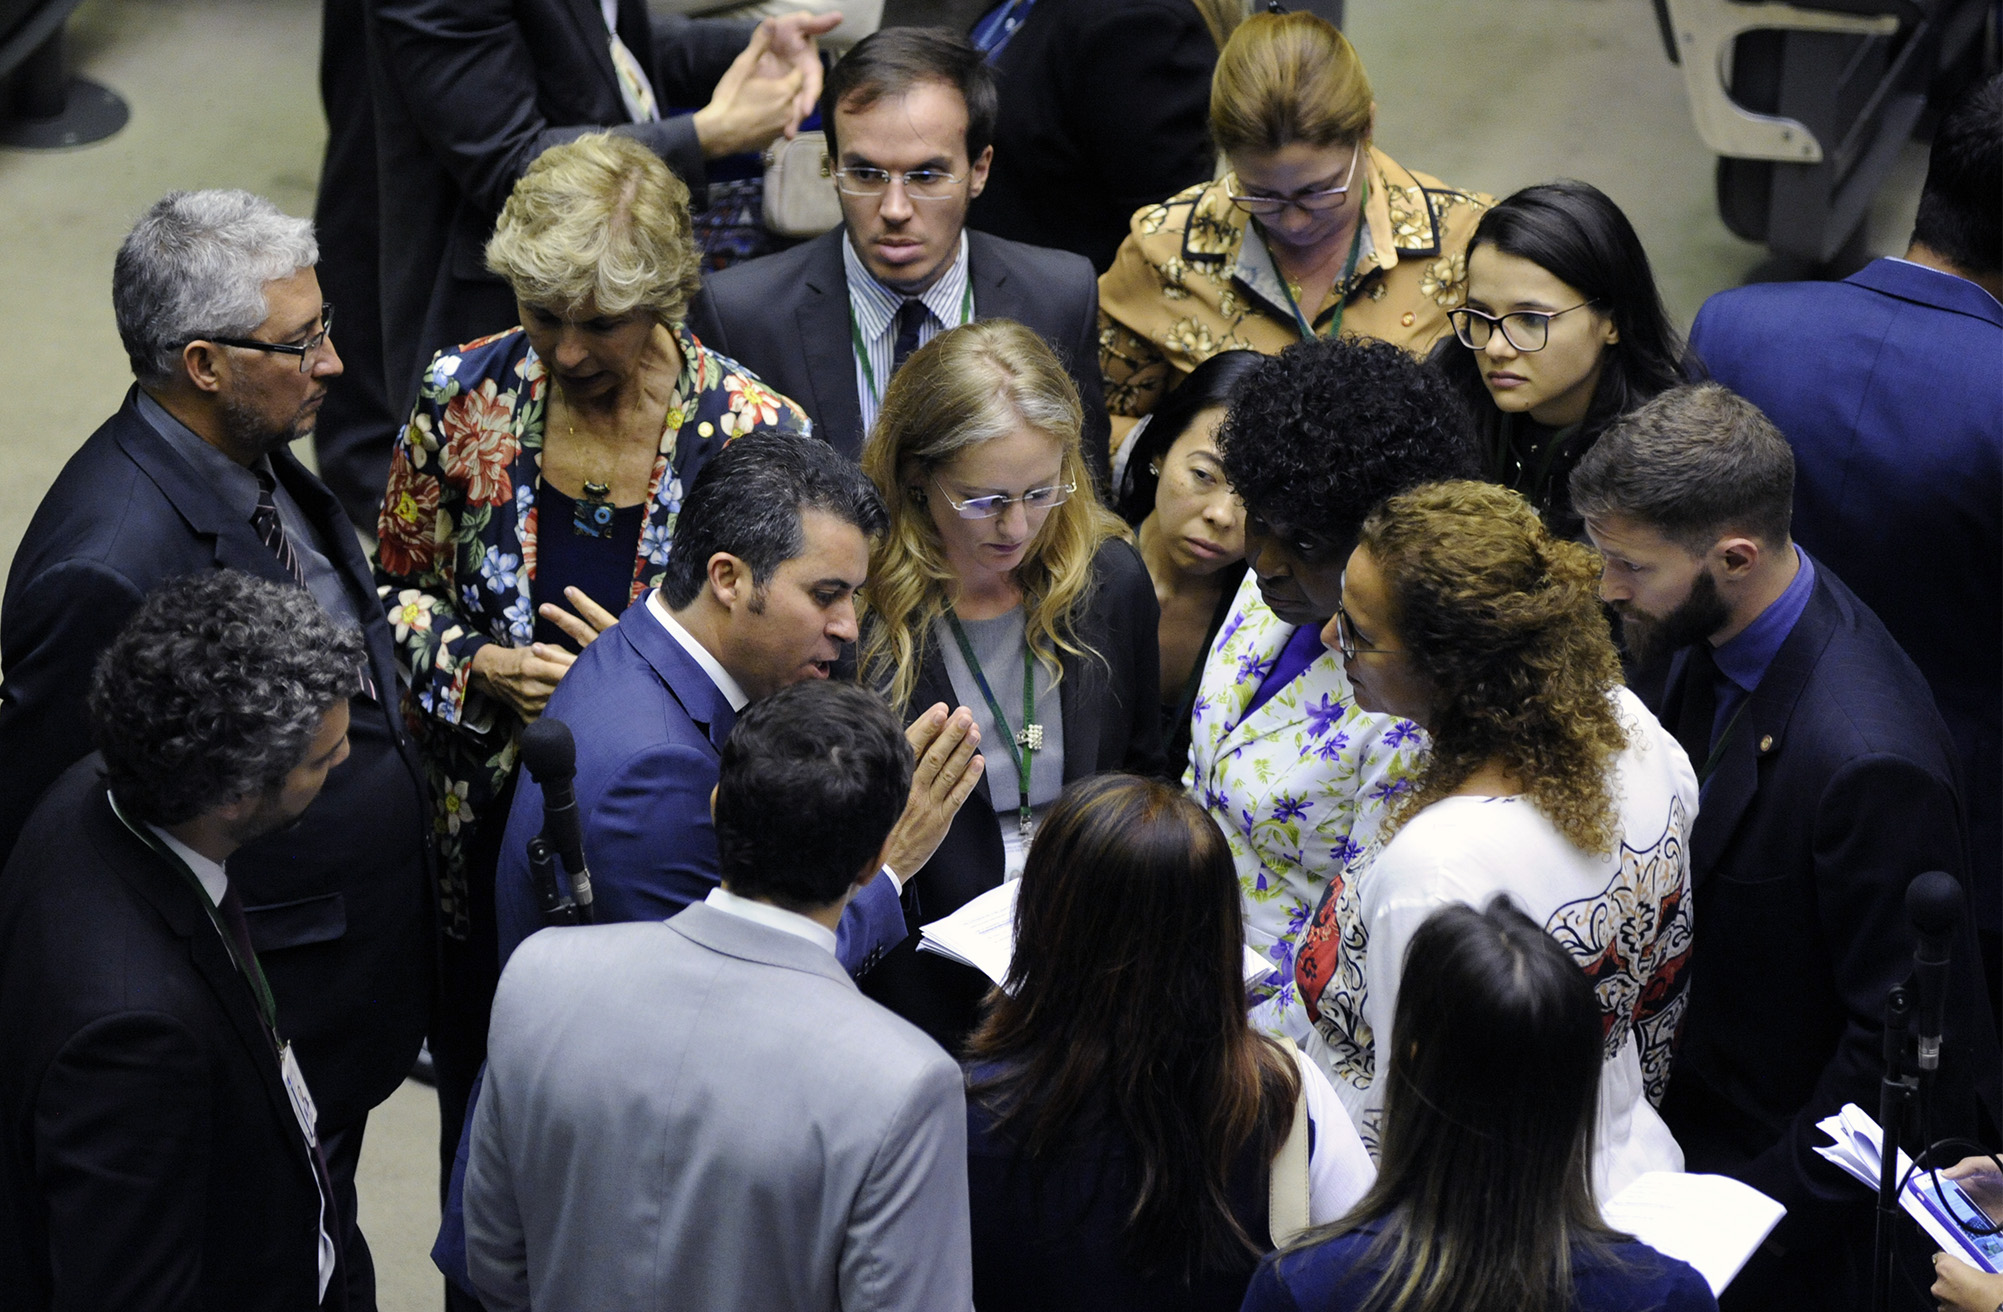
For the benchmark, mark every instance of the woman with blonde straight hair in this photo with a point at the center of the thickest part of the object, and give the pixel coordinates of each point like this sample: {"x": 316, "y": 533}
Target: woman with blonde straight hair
{"x": 1005, "y": 587}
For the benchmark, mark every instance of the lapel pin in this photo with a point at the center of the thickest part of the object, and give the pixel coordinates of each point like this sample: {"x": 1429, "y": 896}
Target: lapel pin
{"x": 1766, "y": 743}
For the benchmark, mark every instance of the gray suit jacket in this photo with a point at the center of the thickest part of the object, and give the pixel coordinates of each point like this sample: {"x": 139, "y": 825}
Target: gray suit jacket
{"x": 705, "y": 1113}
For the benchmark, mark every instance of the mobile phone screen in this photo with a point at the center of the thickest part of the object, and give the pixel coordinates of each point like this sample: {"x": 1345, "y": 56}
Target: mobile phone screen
{"x": 1957, "y": 1211}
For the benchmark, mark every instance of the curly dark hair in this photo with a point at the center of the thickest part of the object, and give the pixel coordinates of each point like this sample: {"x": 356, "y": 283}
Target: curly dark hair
{"x": 213, "y": 691}
{"x": 1504, "y": 620}
{"x": 1326, "y": 430}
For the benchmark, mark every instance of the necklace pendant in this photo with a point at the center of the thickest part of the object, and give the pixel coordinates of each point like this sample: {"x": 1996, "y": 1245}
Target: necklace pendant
{"x": 1030, "y": 738}
{"x": 591, "y": 514}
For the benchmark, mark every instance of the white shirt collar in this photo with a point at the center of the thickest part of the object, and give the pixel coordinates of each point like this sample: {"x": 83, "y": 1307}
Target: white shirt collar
{"x": 764, "y": 913}
{"x": 876, "y": 305}
{"x": 711, "y": 666}
{"x": 214, "y": 881}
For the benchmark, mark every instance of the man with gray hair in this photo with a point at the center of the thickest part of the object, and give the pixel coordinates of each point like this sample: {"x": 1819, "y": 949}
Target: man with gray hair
{"x": 219, "y": 309}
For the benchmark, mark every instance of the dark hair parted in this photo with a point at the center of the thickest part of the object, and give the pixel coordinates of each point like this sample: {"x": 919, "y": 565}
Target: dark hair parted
{"x": 1484, "y": 1183}
{"x": 1125, "y": 1008}
{"x": 813, "y": 777}
{"x": 892, "y": 60}
{"x": 214, "y": 690}
{"x": 1323, "y": 431}
{"x": 1961, "y": 203}
{"x": 1212, "y": 383}
{"x": 1693, "y": 464}
{"x": 1503, "y": 620}
{"x": 747, "y": 502}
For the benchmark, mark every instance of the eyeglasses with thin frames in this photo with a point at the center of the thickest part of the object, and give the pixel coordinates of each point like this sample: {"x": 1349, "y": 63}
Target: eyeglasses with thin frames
{"x": 919, "y": 184}
{"x": 1311, "y": 202}
{"x": 1526, "y": 330}
{"x": 1346, "y": 640}
{"x": 1037, "y": 498}
{"x": 305, "y": 350}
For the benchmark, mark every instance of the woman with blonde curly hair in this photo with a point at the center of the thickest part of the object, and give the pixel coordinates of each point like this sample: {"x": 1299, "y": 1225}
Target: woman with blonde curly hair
{"x": 1005, "y": 587}
{"x": 1547, "y": 780}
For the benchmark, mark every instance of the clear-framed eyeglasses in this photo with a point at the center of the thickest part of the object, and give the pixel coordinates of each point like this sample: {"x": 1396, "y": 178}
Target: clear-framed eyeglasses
{"x": 1037, "y": 498}
{"x": 1311, "y": 202}
{"x": 1526, "y": 330}
{"x": 305, "y": 350}
{"x": 919, "y": 184}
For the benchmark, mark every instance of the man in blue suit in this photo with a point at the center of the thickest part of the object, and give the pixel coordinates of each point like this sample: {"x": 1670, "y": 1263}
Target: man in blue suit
{"x": 759, "y": 594}
{"x": 1889, "y": 386}
{"x": 1827, "y": 783}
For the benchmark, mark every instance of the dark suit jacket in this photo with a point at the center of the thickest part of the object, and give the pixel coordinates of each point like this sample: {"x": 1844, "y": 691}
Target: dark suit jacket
{"x": 1889, "y": 387}
{"x": 1836, "y": 788}
{"x": 1105, "y": 108}
{"x": 467, "y": 93}
{"x": 339, "y": 904}
{"x": 786, "y": 318}
{"x": 1112, "y": 721}
{"x": 151, "y": 1159}
{"x": 649, "y": 726}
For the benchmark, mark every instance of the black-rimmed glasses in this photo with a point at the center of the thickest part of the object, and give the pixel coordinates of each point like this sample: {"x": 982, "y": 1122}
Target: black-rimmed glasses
{"x": 1037, "y": 498}
{"x": 1310, "y": 202}
{"x": 304, "y": 350}
{"x": 1526, "y": 330}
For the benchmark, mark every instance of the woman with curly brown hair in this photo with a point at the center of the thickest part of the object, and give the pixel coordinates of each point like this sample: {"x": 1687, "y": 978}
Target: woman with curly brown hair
{"x": 1547, "y": 781}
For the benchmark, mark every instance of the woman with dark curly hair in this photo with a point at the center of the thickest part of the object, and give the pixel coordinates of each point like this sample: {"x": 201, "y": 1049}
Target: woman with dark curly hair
{"x": 1547, "y": 781}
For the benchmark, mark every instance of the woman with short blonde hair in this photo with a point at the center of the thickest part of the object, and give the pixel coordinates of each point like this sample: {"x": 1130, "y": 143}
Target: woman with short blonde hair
{"x": 1311, "y": 232}
{"x": 1005, "y": 587}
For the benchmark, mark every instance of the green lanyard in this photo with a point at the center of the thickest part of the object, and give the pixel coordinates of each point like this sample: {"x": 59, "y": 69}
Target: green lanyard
{"x": 1341, "y": 300}
{"x": 1030, "y": 739}
{"x": 267, "y": 1006}
{"x": 862, "y": 350}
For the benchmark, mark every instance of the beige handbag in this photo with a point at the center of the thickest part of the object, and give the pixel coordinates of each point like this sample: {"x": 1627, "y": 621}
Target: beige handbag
{"x": 1288, "y": 1202}
{"x": 800, "y": 199}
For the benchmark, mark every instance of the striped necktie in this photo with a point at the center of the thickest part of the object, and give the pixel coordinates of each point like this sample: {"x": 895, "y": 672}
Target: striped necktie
{"x": 271, "y": 529}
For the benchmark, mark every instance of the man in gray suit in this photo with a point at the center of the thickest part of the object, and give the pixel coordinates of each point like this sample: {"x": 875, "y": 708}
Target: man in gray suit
{"x": 703, "y": 1112}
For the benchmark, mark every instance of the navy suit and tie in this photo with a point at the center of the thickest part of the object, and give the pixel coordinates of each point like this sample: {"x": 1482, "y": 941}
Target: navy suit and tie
{"x": 650, "y": 723}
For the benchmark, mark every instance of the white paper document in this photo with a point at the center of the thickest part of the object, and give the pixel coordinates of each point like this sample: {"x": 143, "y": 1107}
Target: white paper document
{"x": 981, "y": 934}
{"x": 1855, "y": 1144}
{"x": 1713, "y": 1222}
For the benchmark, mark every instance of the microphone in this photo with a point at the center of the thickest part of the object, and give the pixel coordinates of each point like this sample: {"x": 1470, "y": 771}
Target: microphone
{"x": 1933, "y": 904}
{"x": 550, "y": 755}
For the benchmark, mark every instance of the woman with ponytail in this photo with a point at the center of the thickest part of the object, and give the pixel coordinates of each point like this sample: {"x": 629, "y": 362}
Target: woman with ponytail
{"x": 1547, "y": 780}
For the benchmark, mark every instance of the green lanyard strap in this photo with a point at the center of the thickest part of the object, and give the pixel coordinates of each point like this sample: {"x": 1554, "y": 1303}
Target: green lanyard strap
{"x": 862, "y": 349}
{"x": 1021, "y": 744}
{"x": 1342, "y": 287}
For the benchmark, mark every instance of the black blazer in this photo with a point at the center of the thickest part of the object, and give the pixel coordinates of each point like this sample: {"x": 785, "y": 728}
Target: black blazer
{"x": 1836, "y": 789}
{"x": 151, "y": 1159}
{"x": 786, "y": 318}
{"x": 340, "y": 902}
{"x": 1105, "y": 109}
{"x": 467, "y": 93}
{"x": 1112, "y": 721}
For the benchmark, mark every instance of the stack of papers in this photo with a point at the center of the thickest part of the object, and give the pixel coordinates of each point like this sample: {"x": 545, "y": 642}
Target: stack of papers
{"x": 1713, "y": 1222}
{"x": 1857, "y": 1143}
{"x": 981, "y": 934}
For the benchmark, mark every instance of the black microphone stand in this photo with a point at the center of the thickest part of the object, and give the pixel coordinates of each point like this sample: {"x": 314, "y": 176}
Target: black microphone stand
{"x": 1895, "y": 1096}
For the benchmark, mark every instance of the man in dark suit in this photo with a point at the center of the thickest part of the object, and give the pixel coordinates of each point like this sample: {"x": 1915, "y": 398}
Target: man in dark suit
{"x": 1827, "y": 783}
{"x": 1889, "y": 387}
{"x": 759, "y": 594}
{"x": 909, "y": 114}
{"x": 220, "y": 312}
{"x": 159, "y": 1148}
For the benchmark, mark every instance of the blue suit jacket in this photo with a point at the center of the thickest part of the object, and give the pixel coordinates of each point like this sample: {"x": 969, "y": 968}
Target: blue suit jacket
{"x": 1889, "y": 386}
{"x": 649, "y": 726}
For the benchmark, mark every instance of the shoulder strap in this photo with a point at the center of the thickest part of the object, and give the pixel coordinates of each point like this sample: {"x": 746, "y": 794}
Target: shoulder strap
{"x": 1288, "y": 1211}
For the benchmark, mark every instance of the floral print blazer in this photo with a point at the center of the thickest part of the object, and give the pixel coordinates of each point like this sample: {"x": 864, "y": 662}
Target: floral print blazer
{"x": 1298, "y": 786}
{"x": 456, "y": 554}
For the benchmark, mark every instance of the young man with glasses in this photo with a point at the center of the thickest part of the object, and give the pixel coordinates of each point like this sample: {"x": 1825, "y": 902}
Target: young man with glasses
{"x": 909, "y": 114}
{"x": 220, "y": 312}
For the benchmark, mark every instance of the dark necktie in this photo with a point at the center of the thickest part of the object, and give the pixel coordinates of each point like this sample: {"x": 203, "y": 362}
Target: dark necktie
{"x": 1699, "y": 709}
{"x": 271, "y": 529}
{"x": 911, "y": 317}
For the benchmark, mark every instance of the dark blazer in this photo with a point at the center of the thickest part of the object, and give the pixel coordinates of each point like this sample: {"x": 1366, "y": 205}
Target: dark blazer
{"x": 1836, "y": 788}
{"x": 1889, "y": 387}
{"x": 1112, "y": 721}
{"x": 339, "y": 904}
{"x": 1105, "y": 109}
{"x": 467, "y": 93}
{"x": 151, "y": 1159}
{"x": 786, "y": 318}
{"x": 649, "y": 726}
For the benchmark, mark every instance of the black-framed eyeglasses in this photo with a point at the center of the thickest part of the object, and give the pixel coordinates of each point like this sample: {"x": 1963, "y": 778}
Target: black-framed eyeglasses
{"x": 1346, "y": 640}
{"x": 305, "y": 350}
{"x": 1037, "y": 498}
{"x": 919, "y": 184}
{"x": 1526, "y": 330}
{"x": 1310, "y": 202}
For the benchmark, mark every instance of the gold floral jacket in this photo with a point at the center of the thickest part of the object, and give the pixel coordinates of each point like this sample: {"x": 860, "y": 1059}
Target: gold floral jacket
{"x": 1194, "y": 277}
